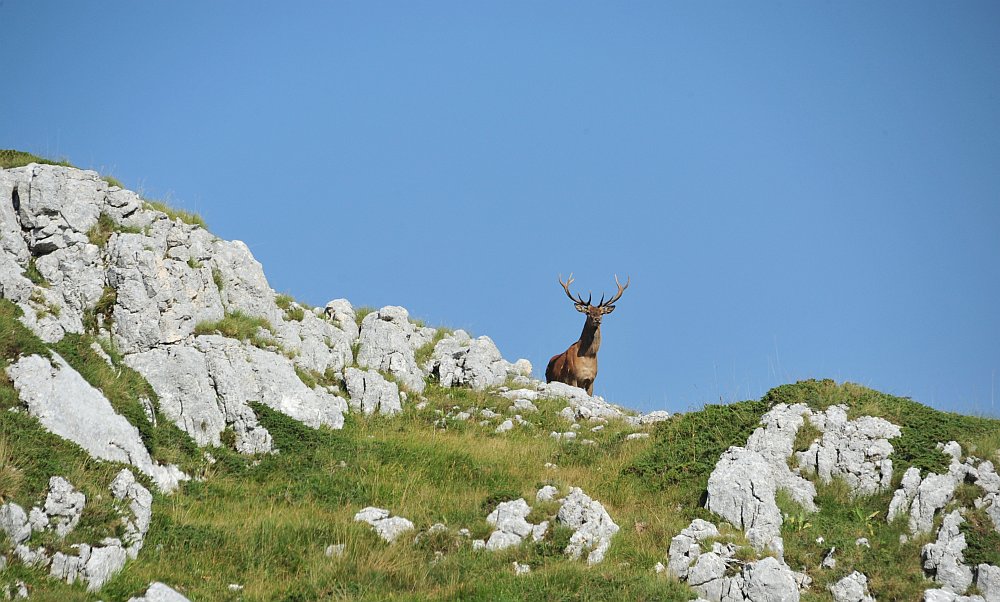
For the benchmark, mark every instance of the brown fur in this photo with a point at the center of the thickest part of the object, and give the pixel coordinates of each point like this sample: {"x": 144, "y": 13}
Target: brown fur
{"x": 577, "y": 366}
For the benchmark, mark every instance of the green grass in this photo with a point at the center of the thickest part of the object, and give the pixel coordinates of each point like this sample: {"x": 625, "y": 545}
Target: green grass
{"x": 424, "y": 352}
{"x": 101, "y": 232}
{"x": 293, "y": 310}
{"x": 174, "y": 213}
{"x": 238, "y": 325}
{"x": 113, "y": 181}
{"x": 32, "y": 274}
{"x": 10, "y": 158}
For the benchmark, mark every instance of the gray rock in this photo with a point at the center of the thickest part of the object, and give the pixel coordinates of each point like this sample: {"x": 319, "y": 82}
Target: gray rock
{"x": 341, "y": 313}
{"x": 856, "y": 450}
{"x": 63, "y": 505}
{"x": 943, "y": 595}
{"x": 592, "y": 525}
{"x": 458, "y": 360}
{"x": 902, "y": 498}
{"x": 158, "y": 592}
{"x": 583, "y": 406}
{"x": 105, "y": 561}
{"x": 774, "y": 441}
{"x": 505, "y": 426}
{"x": 371, "y": 393}
{"x": 125, "y": 488}
{"x": 71, "y": 408}
{"x": 852, "y": 588}
{"x": 523, "y": 405}
{"x": 547, "y": 493}
{"x": 685, "y": 548}
{"x": 388, "y": 527}
{"x": 654, "y": 417}
{"x": 208, "y": 385}
{"x": 511, "y": 527}
{"x": 742, "y": 491}
{"x": 944, "y": 559}
{"x": 14, "y": 522}
{"x": 988, "y": 582}
{"x": 385, "y": 345}
{"x": 934, "y": 492}
{"x": 769, "y": 579}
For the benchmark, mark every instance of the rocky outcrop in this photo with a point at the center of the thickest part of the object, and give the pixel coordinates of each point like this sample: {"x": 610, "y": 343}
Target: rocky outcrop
{"x": 923, "y": 498}
{"x": 988, "y": 582}
{"x": 370, "y": 392}
{"x": 387, "y": 343}
{"x": 157, "y": 278}
{"x": 774, "y": 441}
{"x": 68, "y": 406}
{"x": 717, "y": 575}
{"x": 459, "y": 360}
{"x": 92, "y": 564}
{"x": 742, "y": 490}
{"x": 856, "y": 451}
{"x": 944, "y": 559}
{"x": 511, "y": 525}
{"x": 208, "y": 385}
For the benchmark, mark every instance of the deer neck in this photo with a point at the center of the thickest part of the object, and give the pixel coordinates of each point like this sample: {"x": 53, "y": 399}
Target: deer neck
{"x": 590, "y": 339}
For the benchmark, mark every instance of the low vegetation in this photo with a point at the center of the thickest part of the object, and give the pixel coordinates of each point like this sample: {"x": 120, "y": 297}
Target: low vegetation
{"x": 10, "y": 159}
{"x": 294, "y": 504}
{"x": 238, "y": 325}
{"x": 174, "y": 213}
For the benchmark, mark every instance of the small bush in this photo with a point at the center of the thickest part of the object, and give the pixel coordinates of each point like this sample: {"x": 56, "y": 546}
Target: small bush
{"x": 113, "y": 181}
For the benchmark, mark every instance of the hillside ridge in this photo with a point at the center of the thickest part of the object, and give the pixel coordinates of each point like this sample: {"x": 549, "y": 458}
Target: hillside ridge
{"x": 258, "y": 448}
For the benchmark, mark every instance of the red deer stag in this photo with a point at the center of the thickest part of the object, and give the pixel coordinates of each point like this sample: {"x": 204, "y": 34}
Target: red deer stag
{"x": 577, "y": 366}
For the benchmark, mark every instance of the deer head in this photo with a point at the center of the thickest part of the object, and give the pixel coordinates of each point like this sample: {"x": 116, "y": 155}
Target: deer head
{"x": 594, "y": 312}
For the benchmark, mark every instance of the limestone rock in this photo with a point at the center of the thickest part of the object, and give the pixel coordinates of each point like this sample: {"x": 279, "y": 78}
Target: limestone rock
{"x": 63, "y": 505}
{"x": 774, "y": 441}
{"x": 943, "y": 595}
{"x": 582, "y": 405}
{"x": 855, "y": 450}
{"x": 944, "y": 560}
{"x": 385, "y": 345}
{"x": 71, "y": 408}
{"x": 341, "y": 313}
{"x": 158, "y": 592}
{"x": 685, "y": 548}
{"x": 458, "y": 360}
{"x": 988, "y": 582}
{"x": 592, "y": 525}
{"x": 388, "y": 527}
{"x": 902, "y": 498}
{"x": 852, "y": 588}
{"x": 14, "y": 522}
{"x": 371, "y": 393}
{"x": 742, "y": 491}
{"x": 511, "y": 526}
{"x": 125, "y": 488}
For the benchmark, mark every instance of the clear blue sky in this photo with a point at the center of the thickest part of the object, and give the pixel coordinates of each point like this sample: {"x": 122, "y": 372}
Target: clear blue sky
{"x": 797, "y": 189}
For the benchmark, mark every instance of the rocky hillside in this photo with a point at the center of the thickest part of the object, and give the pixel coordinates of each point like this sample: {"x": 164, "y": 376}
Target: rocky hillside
{"x": 175, "y": 429}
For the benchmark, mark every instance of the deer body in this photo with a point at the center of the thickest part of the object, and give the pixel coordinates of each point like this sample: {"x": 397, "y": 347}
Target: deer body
{"x": 577, "y": 366}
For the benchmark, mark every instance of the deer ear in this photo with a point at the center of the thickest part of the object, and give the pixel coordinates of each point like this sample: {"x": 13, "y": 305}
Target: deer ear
{"x": 607, "y": 309}
{"x": 580, "y": 307}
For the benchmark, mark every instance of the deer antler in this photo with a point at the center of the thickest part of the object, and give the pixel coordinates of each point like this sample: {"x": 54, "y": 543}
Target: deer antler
{"x": 565, "y": 286}
{"x": 618, "y": 295}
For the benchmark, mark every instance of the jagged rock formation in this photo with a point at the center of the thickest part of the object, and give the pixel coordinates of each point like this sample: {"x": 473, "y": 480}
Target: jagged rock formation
{"x": 511, "y": 526}
{"x": 70, "y": 407}
{"x": 93, "y": 564}
{"x": 459, "y": 360}
{"x": 943, "y": 559}
{"x": 592, "y": 526}
{"x": 370, "y": 392}
{"x": 387, "y": 344}
{"x": 854, "y": 450}
{"x": 160, "y": 278}
{"x": 719, "y": 576}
